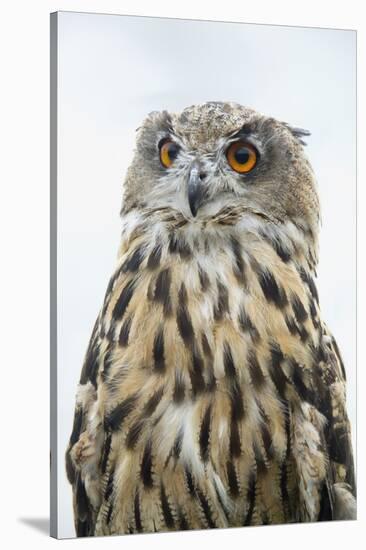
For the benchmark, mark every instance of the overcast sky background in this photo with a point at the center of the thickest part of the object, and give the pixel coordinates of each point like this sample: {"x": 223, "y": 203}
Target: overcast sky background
{"x": 112, "y": 71}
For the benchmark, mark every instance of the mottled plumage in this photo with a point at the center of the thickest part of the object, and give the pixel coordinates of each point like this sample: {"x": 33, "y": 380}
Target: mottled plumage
{"x": 212, "y": 393}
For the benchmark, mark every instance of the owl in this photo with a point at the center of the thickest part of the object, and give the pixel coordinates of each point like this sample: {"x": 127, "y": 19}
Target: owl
{"x": 212, "y": 393}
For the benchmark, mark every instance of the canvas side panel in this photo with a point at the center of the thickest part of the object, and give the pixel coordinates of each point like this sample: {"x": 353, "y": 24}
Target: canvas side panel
{"x": 53, "y": 272}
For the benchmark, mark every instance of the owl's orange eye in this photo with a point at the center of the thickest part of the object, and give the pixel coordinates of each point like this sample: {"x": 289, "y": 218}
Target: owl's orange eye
{"x": 242, "y": 156}
{"x": 168, "y": 153}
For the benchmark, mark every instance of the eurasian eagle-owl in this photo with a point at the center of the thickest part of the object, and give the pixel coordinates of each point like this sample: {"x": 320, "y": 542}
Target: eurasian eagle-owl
{"x": 212, "y": 393}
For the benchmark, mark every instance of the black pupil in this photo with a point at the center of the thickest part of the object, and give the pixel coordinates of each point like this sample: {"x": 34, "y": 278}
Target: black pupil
{"x": 172, "y": 151}
{"x": 242, "y": 155}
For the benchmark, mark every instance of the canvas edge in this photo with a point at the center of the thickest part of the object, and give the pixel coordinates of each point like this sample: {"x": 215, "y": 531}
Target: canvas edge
{"x": 53, "y": 274}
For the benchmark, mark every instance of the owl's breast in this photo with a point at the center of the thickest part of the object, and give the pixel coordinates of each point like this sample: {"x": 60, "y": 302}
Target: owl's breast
{"x": 201, "y": 340}
{"x": 204, "y": 319}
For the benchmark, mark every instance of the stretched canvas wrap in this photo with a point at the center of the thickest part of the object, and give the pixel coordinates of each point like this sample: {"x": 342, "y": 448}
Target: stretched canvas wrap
{"x": 203, "y": 275}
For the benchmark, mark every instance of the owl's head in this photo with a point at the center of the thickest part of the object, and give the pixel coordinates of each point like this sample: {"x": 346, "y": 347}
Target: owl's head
{"x": 215, "y": 157}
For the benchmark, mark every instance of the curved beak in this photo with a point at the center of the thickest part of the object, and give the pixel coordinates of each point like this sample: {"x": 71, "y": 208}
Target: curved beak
{"x": 195, "y": 190}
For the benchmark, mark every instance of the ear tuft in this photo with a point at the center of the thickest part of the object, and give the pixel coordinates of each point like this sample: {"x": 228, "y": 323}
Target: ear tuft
{"x": 299, "y": 133}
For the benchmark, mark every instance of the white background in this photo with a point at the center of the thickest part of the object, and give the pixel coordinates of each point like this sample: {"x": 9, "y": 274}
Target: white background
{"x": 24, "y": 284}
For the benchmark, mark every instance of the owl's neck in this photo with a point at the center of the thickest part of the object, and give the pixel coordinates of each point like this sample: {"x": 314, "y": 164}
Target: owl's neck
{"x": 251, "y": 231}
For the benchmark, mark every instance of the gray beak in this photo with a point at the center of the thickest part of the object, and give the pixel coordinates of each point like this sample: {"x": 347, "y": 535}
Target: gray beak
{"x": 195, "y": 189}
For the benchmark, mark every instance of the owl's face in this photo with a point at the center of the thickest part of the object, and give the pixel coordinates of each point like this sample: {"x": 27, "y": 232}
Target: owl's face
{"x": 217, "y": 156}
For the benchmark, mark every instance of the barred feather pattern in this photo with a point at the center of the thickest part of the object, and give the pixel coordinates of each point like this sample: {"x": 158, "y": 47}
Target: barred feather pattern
{"x": 212, "y": 393}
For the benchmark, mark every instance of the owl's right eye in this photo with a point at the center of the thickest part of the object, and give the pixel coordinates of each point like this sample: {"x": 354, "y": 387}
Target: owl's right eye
{"x": 168, "y": 152}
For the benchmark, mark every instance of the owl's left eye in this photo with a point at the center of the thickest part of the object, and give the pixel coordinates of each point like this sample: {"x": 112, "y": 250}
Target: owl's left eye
{"x": 242, "y": 156}
{"x": 168, "y": 152}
